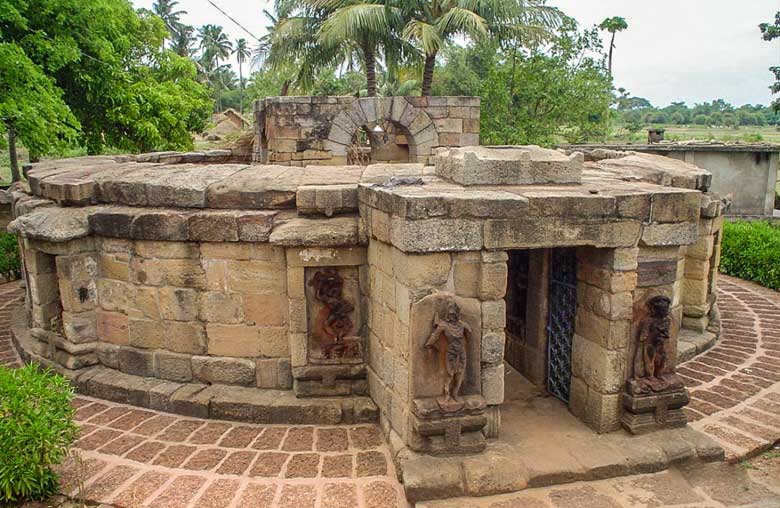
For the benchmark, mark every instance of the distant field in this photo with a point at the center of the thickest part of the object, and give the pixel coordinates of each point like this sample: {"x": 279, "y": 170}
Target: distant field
{"x": 769, "y": 134}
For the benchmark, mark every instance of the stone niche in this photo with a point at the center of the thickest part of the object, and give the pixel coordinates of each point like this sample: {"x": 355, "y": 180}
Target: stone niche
{"x": 439, "y": 426}
{"x": 335, "y": 322}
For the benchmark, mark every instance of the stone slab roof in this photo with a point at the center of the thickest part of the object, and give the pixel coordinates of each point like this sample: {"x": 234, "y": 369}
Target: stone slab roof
{"x": 337, "y": 205}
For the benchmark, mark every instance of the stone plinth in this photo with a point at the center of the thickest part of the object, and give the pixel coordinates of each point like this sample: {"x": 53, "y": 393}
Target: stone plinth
{"x": 525, "y": 165}
{"x": 649, "y": 412}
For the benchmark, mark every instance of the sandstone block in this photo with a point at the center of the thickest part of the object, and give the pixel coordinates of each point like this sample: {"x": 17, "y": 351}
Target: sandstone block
{"x": 80, "y": 328}
{"x": 684, "y": 233}
{"x": 421, "y": 270}
{"x": 548, "y": 231}
{"x": 144, "y": 302}
{"x": 166, "y": 250}
{"x": 230, "y": 371}
{"x": 163, "y": 225}
{"x": 266, "y": 309}
{"x": 614, "y": 282}
{"x": 274, "y": 341}
{"x": 221, "y": 307}
{"x": 316, "y": 232}
{"x": 609, "y": 334}
{"x": 44, "y": 288}
{"x": 233, "y": 340}
{"x": 694, "y": 292}
{"x": 493, "y": 348}
{"x": 697, "y": 268}
{"x": 493, "y": 384}
{"x": 466, "y": 276}
{"x": 113, "y": 294}
{"x": 680, "y": 206}
{"x": 255, "y": 276}
{"x": 603, "y": 411}
{"x": 112, "y": 327}
{"x": 136, "y": 362}
{"x": 188, "y": 338}
{"x": 115, "y": 266}
{"x": 146, "y": 334}
{"x": 37, "y": 262}
{"x": 702, "y": 249}
{"x": 436, "y": 235}
{"x": 108, "y": 355}
{"x": 213, "y": 227}
{"x": 493, "y": 281}
{"x": 178, "y": 304}
{"x": 173, "y": 367}
{"x": 255, "y": 226}
{"x": 601, "y": 369}
{"x": 494, "y": 315}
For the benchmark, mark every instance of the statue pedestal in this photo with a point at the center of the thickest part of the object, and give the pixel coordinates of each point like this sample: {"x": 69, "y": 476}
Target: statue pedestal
{"x": 439, "y": 431}
{"x": 646, "y": 410}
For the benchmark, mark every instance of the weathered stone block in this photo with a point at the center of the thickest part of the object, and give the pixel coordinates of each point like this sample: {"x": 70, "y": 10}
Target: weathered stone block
{"x": 163, "y": 225}
{"x": 213, "y": 227}
{"x": 255, "y": 226}
{"x": 178, "y": 304}
{"x": 603, "y": 370}
{"x": 189, "y": 338}
{"x": 146, "y": 334}
{"x": 115, "y": 266}
{"x": 493, "y": 348}
{"x": 136, "y": 362}
{"x": 221, "y": 307}
{"x": 493, "y": 281}
{"x": 256, "y": 276}
{"x": 108, "y": 355}
{"x": 493, "y": 384}
{"x": 436, "y": 235}
{"x": 466, "y": 276}
{"x": 684, "y": 233}
{"x": 173, "y": 367}
{"x": 166, "y": 250}
{"x": 415, "y": 271}
{"x": 274, "y": 341}
{"x": 230, "y": 371}
{"x": 233, "y": 340}
{"x": 494, "y": 315}
{"x": 80, "y": 328}
{"x": 113, "y": 294}
{"x": 112, "y": 327}
{"x": 144, "y": 303}
{"x": 266, "y": 309}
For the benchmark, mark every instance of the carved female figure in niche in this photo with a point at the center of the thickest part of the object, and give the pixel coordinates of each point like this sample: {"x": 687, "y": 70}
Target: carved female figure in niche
{"x": 651, "y": 362}
{"x": 333, "y": 324}
{"x": 450, "y": 339}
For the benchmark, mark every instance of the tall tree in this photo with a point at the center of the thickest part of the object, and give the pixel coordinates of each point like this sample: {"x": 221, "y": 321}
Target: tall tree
{"x": 431, "y": 24}
{"x": 770, "y": 32}
{"x": 166, "y": 9}
{"x": 183, "y": 39}
{"x": 242, "y": 54}
{"x": 367, "y": 26}
{"x": 613, "y": 25}
{"x": 215, "y": 46}
{"x": 107, "y": 63}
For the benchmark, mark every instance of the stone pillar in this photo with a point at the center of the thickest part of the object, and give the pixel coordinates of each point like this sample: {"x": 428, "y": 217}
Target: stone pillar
{"x": 606, "y": 281}
{"x": 535, "y": 349}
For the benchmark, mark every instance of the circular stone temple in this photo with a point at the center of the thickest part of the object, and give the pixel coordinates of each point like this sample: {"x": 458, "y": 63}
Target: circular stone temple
{"x": 303, "y": 289}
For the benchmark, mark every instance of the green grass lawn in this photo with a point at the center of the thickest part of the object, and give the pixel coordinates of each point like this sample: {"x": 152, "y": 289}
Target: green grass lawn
{"x": 767, "y": 134}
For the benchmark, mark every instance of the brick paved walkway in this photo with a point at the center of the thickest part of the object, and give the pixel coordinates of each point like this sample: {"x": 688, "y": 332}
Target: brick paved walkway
{"x": 735, "y": 386}
{"x": 132, "y": 457}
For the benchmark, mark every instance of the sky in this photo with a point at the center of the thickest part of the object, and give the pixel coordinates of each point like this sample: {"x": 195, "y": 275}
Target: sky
{"x": 673, "y": 50}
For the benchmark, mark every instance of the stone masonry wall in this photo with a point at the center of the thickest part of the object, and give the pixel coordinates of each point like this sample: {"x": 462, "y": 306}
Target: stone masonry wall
{"x": 301, "y": 131}
{"x": 600, "y": 350}
{"x": 397, "y": 281}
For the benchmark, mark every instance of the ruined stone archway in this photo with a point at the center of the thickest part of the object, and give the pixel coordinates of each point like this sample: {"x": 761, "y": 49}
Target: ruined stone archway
{"x": 367, "y": 113}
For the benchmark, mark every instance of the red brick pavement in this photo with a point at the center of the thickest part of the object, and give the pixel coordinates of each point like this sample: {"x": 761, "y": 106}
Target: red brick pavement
{"x": 735, "y": 386}
{"x": 131, "y": 457}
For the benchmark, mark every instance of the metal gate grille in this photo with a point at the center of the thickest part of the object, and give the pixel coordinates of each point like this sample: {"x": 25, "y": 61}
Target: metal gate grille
{"x": 560, "y": 322}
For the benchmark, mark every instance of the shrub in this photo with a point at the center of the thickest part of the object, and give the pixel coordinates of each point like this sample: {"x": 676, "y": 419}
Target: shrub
{"x": 36, "y": 429}
{"x": 10, "y": 262}
{"x": 751, "y": 251}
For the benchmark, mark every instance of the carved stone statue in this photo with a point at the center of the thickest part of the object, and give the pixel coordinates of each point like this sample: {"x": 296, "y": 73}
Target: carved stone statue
{"x": 450, "y": 339}
{"x": 333, "y": 324}
{"x": 651, "y": 364}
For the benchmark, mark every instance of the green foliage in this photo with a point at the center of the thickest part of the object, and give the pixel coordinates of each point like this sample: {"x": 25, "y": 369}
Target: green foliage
{"x": 36, "y": 429}
{"x": 10, "y": 262}
{"x": 106, "y": 63}
{"x": 31, "y": 103}
{"x": 751, "y": 251}
{"x": 770, "y": 32}
{"x": 534, "y": 97}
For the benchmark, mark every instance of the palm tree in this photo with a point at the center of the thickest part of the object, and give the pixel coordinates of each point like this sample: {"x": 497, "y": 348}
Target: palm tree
{"x": 215, "y": 46}
{"x": 430, "y": 24}
{"x": 613, "y": 25}
{"x": 242, "y": 53}
{"x": 366, "y": 26}
{"x": 293, "y": 44}
{"x": 165, "y": 10}
{"x": 183, "y": 39}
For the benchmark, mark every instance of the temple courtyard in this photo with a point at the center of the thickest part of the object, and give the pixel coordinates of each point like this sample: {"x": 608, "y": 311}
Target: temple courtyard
{"x": 129, "y": 457}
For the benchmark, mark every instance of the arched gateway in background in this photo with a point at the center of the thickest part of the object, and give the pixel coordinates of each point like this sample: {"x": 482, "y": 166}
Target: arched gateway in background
{"x": 304, "y": 290}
